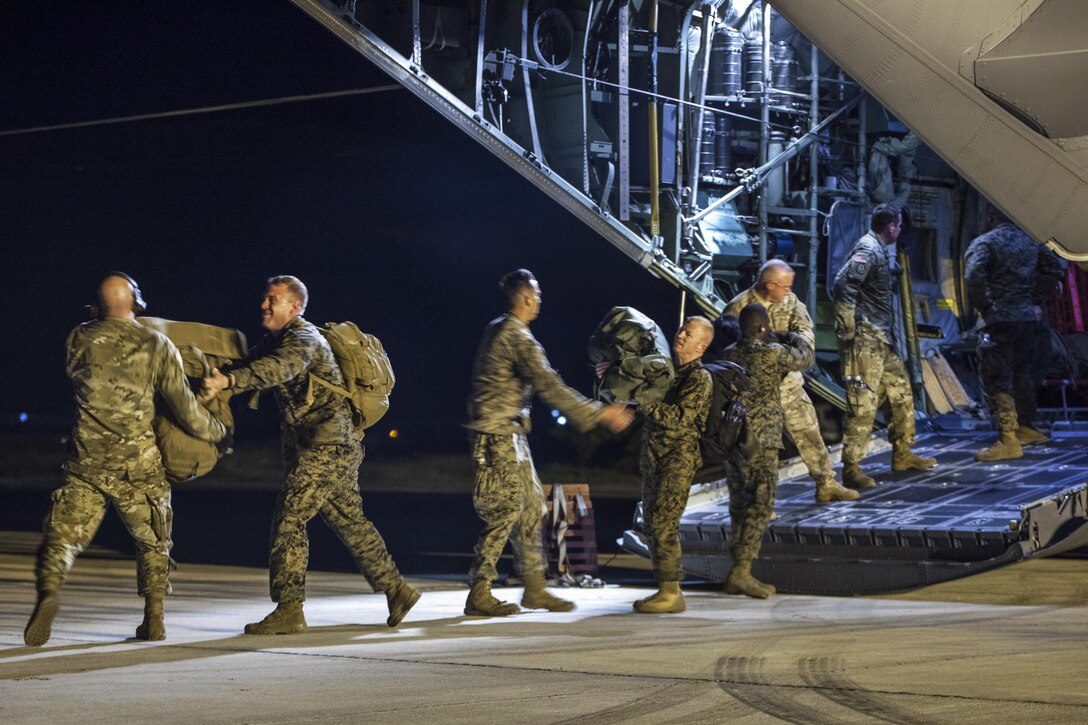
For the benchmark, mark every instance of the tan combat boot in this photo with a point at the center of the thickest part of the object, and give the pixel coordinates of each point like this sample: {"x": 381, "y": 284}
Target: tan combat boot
{"x": 286, "y": 618}
{"x": 40, "y": 625}
{"x": 1028, "y": 435}
{"x": 855, "y": 478}
{"x": 904, "y": 459}
{"x": 1006, "y": 448}
{"x": 741, "y": 581}
{"x": 401, "y": 598}
{"x": 830, "y": 490}
{"x": 152, "y": 628}
{"x": 482, "y": 603}
{"x": 666, "y": 600}
{"x": 537, "y": 597}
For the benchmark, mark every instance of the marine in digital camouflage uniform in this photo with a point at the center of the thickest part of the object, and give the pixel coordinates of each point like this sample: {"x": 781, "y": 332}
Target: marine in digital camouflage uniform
{"x": 321, "y": 455}
{"x": 773, "y": 290}
{"x": 752, "y": 469}
{"x": 509, "y": 369}
{"x": 669, "y": 460}
{"x": 1008, "y": 278}
{"x": 872, "y": 370}
{"x": 117, "y": 368}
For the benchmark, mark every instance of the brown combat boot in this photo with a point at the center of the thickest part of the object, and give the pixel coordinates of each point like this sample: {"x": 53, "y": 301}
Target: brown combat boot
{"x": 666, "y": 600}
{"x": 855, "y": 478}
{"x": 904, "y": 459}
{"x": 40, "y": 626}
{"x": 830, "y": 490}
{"x": 482, "y": 603}
{"x": 741, "y": 581}
{"x": 537, "y": 597}
{"x": 401, "y": 597}
{"x": 286, "y": 618}
{"x": 1028, "y": 434}
{"x": 152, "y": 628}
{"x": 1006, "y": 448}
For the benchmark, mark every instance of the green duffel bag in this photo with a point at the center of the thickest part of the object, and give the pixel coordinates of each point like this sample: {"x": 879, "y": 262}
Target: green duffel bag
{"x": 202, "y": 348}
{"x": 632, "y": 356}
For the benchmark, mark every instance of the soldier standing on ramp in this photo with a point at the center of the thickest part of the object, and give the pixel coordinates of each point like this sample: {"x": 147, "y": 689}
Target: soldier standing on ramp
{"x": 1008, "y": 277}
{"x": 117, "y": 367}
{"x": 752, "y": 469}
{"x": 511, "y": 366}
{"x": 871, "y": 367}
{"x": 322, "y": 453}
{"x": 773, "y": 290}
{"x": 669, "y": 460}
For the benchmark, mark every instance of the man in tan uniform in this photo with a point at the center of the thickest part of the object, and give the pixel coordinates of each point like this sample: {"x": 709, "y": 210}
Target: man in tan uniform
{"x": 774, "y": 291}
{"x": 509, "y": 369}
{"x": 117, "y": 367}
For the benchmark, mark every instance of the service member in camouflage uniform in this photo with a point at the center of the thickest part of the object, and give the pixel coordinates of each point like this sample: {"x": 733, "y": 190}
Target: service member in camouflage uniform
{"x": 872, "y": 370}
{"x": 773, "y": 290}
{"x": 117, "y": 367}
{"x": 670, "y": 458}
{"x": 1008, "y": 277}
{"x": 321, "y": 454}
{"x": 511, "y": 366}
{"x": 752, "y": 469}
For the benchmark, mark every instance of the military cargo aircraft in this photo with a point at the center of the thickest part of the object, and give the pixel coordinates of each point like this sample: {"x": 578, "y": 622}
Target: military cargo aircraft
{"x": 702, "y": 138}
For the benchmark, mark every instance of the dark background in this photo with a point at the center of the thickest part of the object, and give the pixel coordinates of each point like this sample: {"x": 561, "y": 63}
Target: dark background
{"x": 392, "y": 217}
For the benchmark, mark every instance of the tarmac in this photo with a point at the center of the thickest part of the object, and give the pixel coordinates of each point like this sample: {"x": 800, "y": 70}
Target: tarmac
{"x": 1007, "y": 645}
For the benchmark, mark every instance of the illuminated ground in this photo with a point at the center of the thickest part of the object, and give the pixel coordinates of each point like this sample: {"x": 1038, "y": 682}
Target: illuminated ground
{"x": 1005, "y": 645}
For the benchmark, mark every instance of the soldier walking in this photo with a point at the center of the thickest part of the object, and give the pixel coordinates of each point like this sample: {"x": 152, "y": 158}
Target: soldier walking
{"x": 510, "y": 367}
{"x": 117, "y": 367}
{"x": 1008, "y": 278}
{"x": 670, "y": 458}
{"x": 322, "y": 452}
{"x": 752, "y": 469}
{"x": 774, "y": 291}
{"x": 872, "y": 370}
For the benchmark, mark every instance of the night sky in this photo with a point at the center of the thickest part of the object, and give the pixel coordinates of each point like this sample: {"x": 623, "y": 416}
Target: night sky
{"x": 392, "y": 217}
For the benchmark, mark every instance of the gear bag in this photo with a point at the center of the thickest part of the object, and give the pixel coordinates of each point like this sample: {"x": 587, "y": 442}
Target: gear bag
{"x": 202, "y": 347}
{"x": 725, "y": 421}
{"x": 368, "y": 374}
{"x": 638, "y": 357}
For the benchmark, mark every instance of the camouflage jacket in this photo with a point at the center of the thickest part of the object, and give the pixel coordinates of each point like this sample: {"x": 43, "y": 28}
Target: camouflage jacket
{"x": 863, "y": 291}
{"x": 310, "y": 414}
{"x": 789, "y": 315}
{"x": 117, "y": 367}
{"x": 675, "y": 425}
{"x": 767, "y": 364}
{"x": 511, "y": 366}
{"x": 1007, "y": 274}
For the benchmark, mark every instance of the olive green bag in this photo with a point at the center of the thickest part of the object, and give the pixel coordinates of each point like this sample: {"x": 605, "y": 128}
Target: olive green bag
{"x": 202, "y": 347}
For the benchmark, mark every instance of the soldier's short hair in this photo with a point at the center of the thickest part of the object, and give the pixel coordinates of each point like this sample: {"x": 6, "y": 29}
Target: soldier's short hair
{"x": 514, "y": 283}
{"x": 754, "y": 321}
{"x": 772, "y": 264}
{"x": 701, "y": 321}
{"x": 883, "y": 215}
{"x": 294, "y": 287}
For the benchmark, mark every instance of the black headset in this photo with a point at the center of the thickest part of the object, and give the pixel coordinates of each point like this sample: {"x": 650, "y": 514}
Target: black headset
{"x": 138, "y": 304}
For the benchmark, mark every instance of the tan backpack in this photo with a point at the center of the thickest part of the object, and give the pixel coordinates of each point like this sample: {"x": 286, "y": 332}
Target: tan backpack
{"x": 368, "y": 374}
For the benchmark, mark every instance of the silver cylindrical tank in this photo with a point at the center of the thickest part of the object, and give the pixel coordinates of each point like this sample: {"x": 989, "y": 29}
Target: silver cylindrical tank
{"x": 753, "y": 67}
{"x": 784, "y": 68}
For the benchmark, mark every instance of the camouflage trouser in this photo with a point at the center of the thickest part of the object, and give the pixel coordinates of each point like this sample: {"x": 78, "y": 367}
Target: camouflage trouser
{"x": 803, "y": 427}
{"x": 666, "y": 482}
{"x": 509, "y": 500}
{"x": 143, "y": 503}
{"x": 873, "y": 371}
{"x": 324, "y": 480}
{"x": 1004, "y": 366}
{"x": 752, "y": 474}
